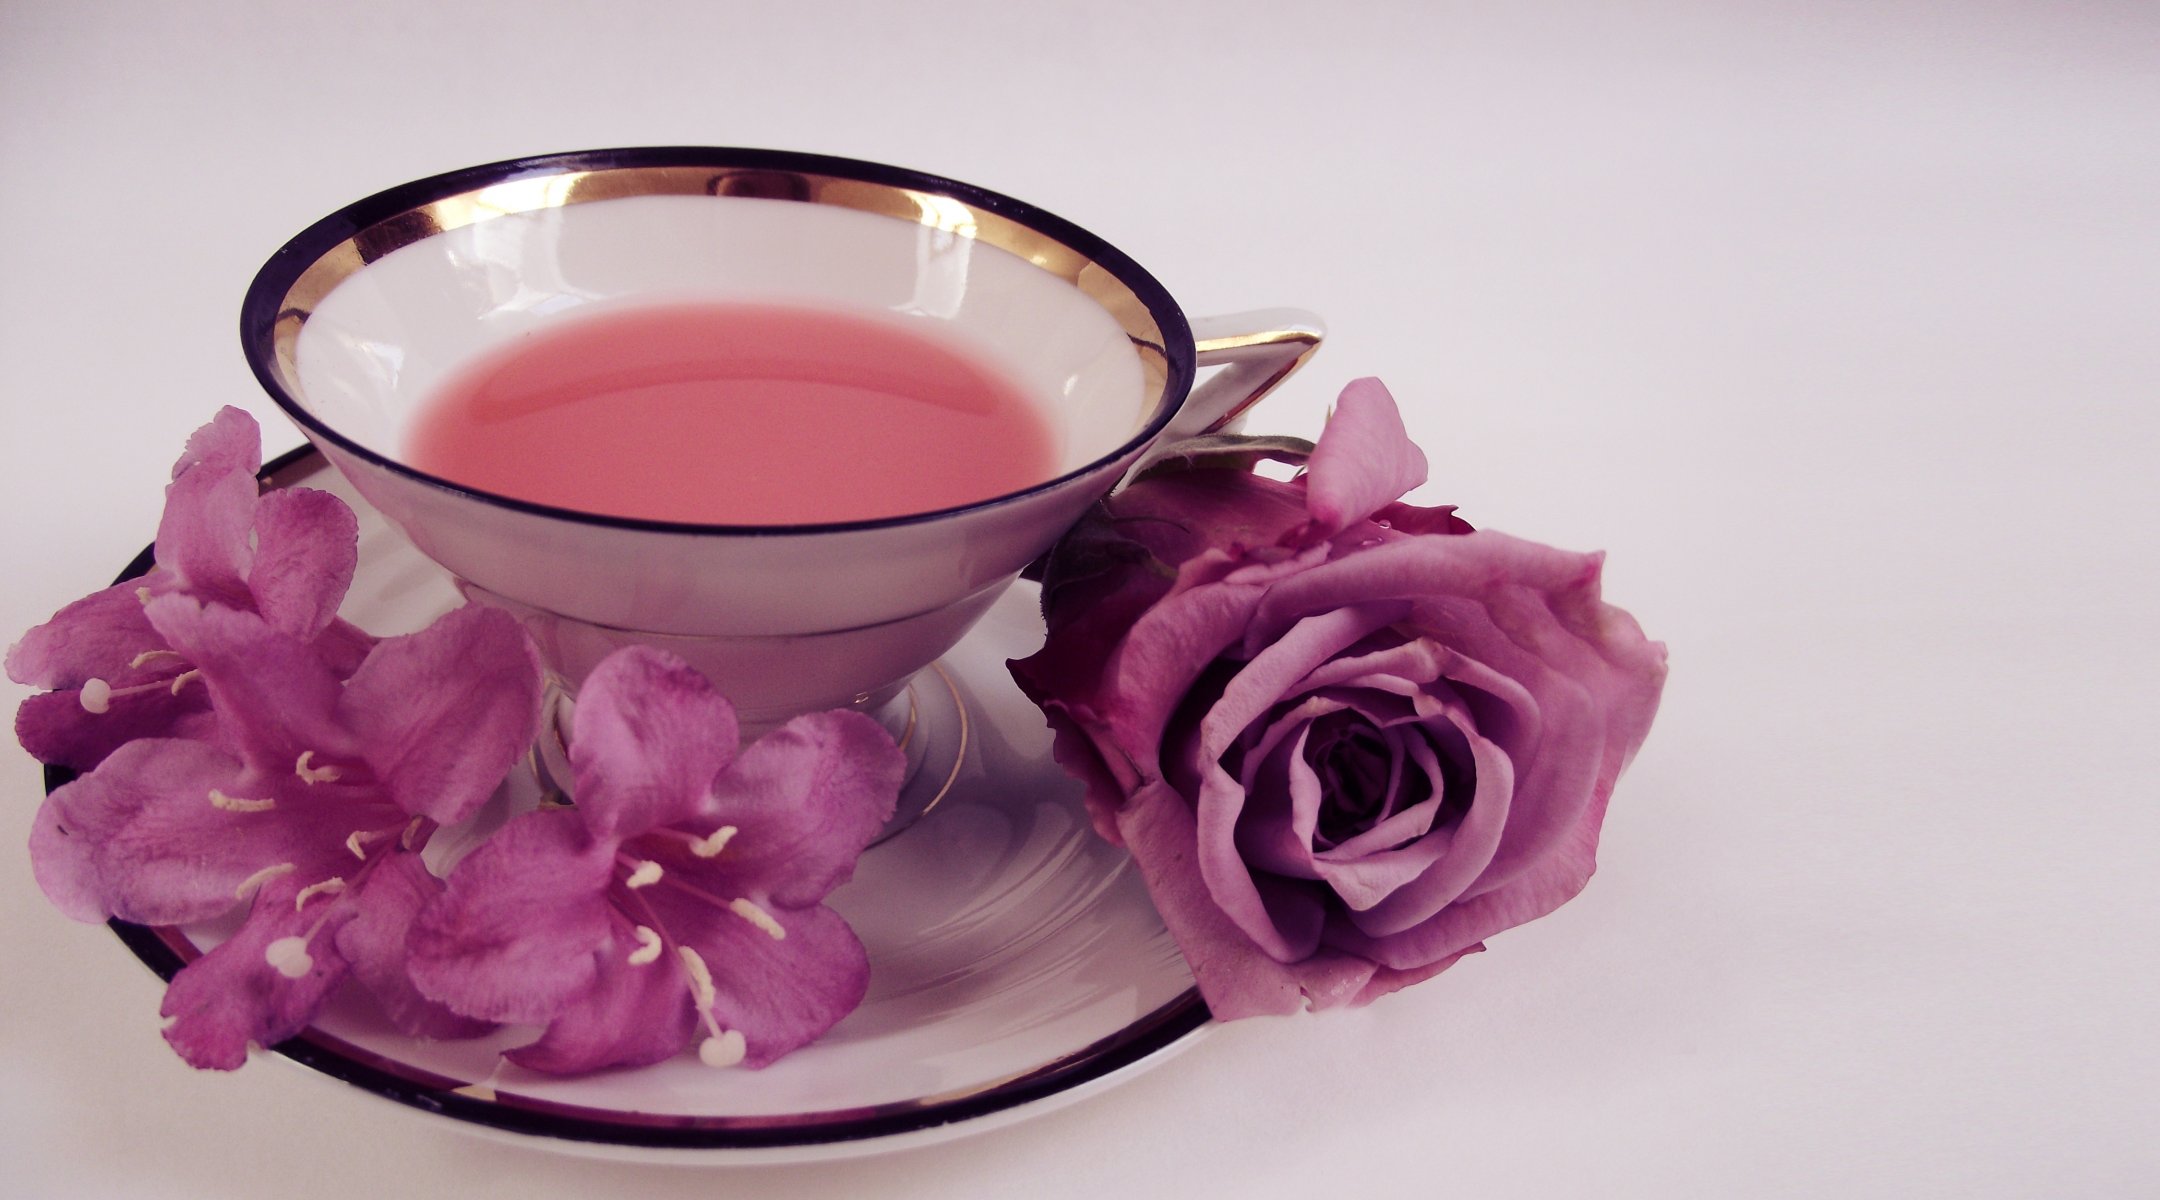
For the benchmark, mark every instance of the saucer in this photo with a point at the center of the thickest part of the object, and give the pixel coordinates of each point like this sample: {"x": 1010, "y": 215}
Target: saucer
{"x": 1017, "y": 964}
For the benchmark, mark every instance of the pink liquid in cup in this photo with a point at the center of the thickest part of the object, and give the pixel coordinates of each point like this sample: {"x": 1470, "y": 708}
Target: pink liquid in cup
{"x": 733, "y": 414}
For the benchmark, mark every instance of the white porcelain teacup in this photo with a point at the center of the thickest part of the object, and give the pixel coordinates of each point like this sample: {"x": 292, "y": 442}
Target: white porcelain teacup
{"x": 354, "y": 323}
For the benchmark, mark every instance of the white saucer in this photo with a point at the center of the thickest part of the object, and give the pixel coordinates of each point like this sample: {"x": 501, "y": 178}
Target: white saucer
{"x": 1017, "y": 964}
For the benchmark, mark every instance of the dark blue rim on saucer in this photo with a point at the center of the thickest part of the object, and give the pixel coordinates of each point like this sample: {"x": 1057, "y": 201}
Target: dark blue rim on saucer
{"x": 295, "y": 279}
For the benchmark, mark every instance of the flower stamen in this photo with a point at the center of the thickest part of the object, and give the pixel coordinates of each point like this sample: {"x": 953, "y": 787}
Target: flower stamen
{"x": 241, "y": 804}
{"x": 750, "y": 912}
{"x": 181, "y": 679}
{"x": 260, "y": 878}
{"x": 721, "y": 1047}
{"x": 309, "y": 773}
{"x": 150, "y": 656}
{"x": 331, "y": 886}
{"x": 711, "y": 845}
{"x": 95, "y": 696}
{"x": 646, "y": 874}
{"x": 648, "y": 947}
{"x": 290, "y": 956}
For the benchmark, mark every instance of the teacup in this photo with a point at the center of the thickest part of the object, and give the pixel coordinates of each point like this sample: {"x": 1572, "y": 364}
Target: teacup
{"x": 357, "y": 320}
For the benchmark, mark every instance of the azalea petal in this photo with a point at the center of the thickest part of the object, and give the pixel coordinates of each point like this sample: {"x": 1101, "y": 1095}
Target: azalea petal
{"x": 142, "y": 838}
{"x": 210, "y": 508}
{"x": 630, "y": 1014}
{"x": 233, "y": 996}
{"x": 307, "y": 545}
{"x": 649, "y": 736}
{"x": 512, "y": 937}
{"x": 805, "y": 800}
{"x": 96, "y": 637}
{"x": 1364, "y": 460}
{"x": 55, "y": 727}
{"x": 275, "y": 698}
{"x": 779, "y": 993}
{"x": 443, "y": 714}
{"x": 387, "y": 899}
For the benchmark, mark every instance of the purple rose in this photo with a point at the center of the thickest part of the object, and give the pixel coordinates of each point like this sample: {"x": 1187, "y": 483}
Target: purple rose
{"x": 1345, "y": 739}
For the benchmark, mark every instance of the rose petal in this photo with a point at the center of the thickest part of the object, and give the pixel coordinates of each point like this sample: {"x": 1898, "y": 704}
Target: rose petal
{"x": 1236, "y": 978}
{"x": 805, "y": 800}
{"x": 1221, "y": 800}
{"x": 649, "y": 737}
{"x": 307, "y": 545}
{"x": 443, "y": 714}
{"x": 233, "y": 997}
{"x": 513, "y": 936}
{"x": 1363, "y": 460}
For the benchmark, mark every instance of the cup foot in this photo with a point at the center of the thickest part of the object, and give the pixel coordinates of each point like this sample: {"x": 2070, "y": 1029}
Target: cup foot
{"x": 929, "y": 722}
{"x": 927, "y": 719}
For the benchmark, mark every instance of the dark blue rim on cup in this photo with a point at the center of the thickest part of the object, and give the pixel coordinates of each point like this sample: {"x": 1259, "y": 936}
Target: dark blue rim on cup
{"x": 294, "y": 281}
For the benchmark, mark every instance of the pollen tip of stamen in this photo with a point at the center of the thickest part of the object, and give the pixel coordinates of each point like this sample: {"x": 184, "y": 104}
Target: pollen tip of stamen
{"x": 290, "y": 956}
{"x": 411, "y": 834}
{"x": 95, "y": 696}
{"x": 331, "y": 886}
{"x": 647, "y": 873}
{"x": 749, "y": 911}
{"x": 712, "y": 845}
{"x": 723, "y": 1050}
{"x": 240, "y": 804}
{"x": 354, "y": 842}
{"x": 309, "y": 773}
{"x": 648, "y": 947}
{"x": 180, "y": 680}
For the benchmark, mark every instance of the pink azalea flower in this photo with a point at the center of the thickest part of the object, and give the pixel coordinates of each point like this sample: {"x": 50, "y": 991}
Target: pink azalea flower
{"x": 288, "y": 556}
{"x": 312, "y": 807}
{"x": 680, "y": 899}
{"x": 1345, "y": 738}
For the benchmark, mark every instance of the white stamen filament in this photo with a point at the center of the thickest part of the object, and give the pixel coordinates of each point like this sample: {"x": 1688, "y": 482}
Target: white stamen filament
{"x": 96, "y": 695}
{"x": 721, "y": 1047}
{"x": 181, "y": 679}
{"x": 241, "y": 804}
{"x": 647, "y": 874}
{"x": 290, "y": 956}
{"x": 331, "y": 887}
{"x": 150, "y": 656}
{"x": 259, "y": 878}
{"x": 702, "y": 992}
{"x": 308, "y": 773}
{"x": 711, "y": 846}
{"x": 648, "y": 947}
{"x": 723, "y": 1050}
{"x": 750, "y": 912}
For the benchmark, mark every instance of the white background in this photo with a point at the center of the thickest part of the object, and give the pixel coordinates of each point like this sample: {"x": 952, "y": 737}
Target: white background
{"x": 1833, "y": 322}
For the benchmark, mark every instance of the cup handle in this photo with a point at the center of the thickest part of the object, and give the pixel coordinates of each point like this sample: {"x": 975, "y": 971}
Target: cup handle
{"x": 1256, "y": 350}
